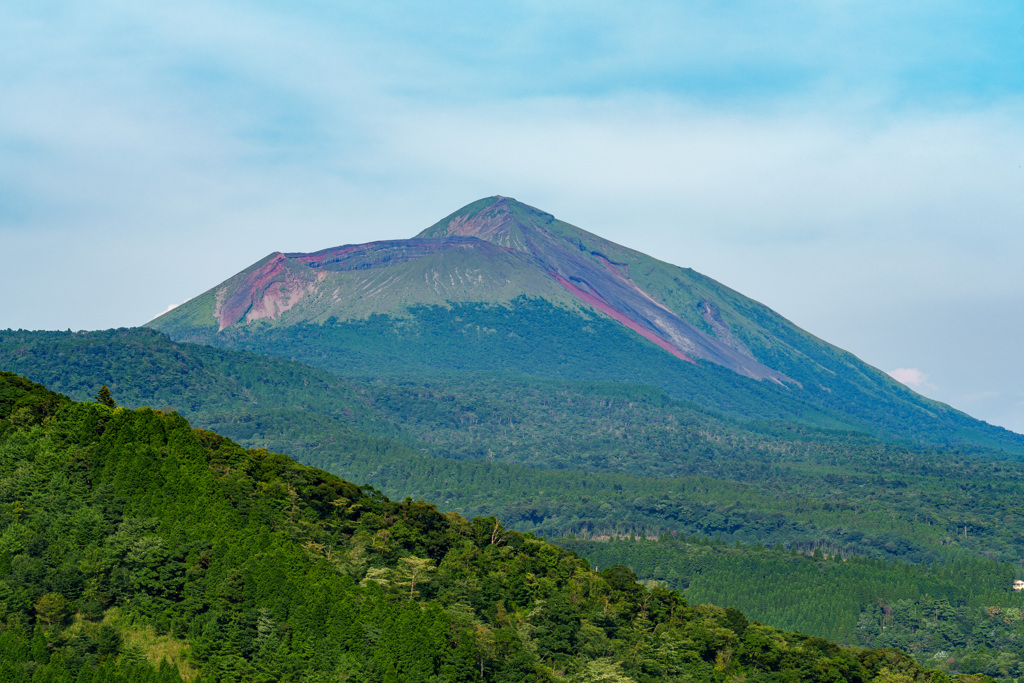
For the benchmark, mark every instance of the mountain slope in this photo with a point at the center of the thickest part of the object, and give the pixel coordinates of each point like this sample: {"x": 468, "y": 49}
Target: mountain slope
{"x": 501, "y": 285}
{"x": 768, "y": 484}
{"x": 606, "y": 442}
{"x": 252, "y": 567}
{"x": 605, "y": 275}
{"x": 493, "y": 255}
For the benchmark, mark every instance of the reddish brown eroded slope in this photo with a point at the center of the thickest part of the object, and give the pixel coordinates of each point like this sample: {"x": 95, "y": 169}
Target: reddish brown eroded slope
{"x": 250, "y": 291}
{"x": 603, "y": 306}
{"x": 282, "y": 280}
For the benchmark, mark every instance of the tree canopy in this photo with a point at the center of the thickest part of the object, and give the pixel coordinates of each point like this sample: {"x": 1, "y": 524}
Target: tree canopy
{"x": 135, "y": 547}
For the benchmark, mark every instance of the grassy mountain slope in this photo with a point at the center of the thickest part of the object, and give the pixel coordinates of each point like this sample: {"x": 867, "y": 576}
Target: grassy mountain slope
{"x": 261, "y": 569}
{"x": 386, "y": 278}
{"x": 533, "y": 337}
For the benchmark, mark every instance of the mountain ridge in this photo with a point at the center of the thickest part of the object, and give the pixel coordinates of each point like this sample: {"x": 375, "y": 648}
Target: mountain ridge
{"x": 250, "y": 566}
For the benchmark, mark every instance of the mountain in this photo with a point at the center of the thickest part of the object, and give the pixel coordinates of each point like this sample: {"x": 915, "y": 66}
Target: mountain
{"x": 550, "y": 397}
{"x": 135, "y": 548}
{"x": 499, "y": 285}
{"x": 492, "y": 251}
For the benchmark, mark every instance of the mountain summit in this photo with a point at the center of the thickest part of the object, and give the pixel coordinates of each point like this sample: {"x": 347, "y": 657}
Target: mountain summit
{"x": 599, "y": 273}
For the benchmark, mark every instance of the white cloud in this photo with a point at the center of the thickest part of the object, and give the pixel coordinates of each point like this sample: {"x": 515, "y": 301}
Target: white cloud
{"x": 912, "y": 377}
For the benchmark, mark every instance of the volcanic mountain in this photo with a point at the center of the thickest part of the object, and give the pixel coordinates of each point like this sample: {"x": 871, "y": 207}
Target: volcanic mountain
{"x": 500, "y": 285}
{"x": 493, "y": 251}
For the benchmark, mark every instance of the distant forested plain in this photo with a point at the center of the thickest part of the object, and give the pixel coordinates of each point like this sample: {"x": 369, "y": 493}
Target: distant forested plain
{"x": 837, "y": 533}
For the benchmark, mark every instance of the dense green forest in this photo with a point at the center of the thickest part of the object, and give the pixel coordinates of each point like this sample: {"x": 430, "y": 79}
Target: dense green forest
{"x": 957, "y": 614}
{"x": 535, "y": 338}
{"x": 587, "y": 460}
{"x": 612, "y": 447}
{"x": 134, "y": 547}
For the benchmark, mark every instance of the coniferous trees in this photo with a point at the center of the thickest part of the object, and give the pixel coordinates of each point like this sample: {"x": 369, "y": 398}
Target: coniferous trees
{"x": 778, "y": 484}
{"x": 103, "y": 397}
{"x": 246, "y": 566}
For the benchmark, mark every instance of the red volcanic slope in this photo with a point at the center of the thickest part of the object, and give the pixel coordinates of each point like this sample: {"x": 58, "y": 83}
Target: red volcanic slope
{"x": 251, "y": 290}
{"x": 616, "y": 315}
{"x": 576, "y": 257}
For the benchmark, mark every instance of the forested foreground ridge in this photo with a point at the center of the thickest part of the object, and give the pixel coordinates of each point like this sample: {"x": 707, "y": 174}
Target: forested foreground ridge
{"x": 768, "y": 483}
{"x": 136, "y": 548}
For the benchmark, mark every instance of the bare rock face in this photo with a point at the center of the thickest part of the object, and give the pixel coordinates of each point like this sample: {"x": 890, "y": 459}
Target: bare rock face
{"x": 493, "y": 251}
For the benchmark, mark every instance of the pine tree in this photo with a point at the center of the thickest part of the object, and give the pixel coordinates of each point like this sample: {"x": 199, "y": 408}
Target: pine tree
{"x": 103, "y": 396}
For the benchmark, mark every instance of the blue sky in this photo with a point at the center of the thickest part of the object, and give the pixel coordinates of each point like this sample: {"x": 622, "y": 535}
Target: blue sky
{"x": 857, "y": 166}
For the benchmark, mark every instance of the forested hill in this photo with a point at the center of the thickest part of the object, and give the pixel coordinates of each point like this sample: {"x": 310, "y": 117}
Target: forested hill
{"x": 128, "y": 538}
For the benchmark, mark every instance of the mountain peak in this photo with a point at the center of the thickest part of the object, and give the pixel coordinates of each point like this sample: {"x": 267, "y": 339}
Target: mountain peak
{"x": 601, "y": 274}
{"x": 493, "y": 251}
{"x": 500, "y": 220}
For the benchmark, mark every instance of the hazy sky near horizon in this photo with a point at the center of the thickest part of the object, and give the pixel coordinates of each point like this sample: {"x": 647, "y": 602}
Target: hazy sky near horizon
{"x": 857, "y": 166}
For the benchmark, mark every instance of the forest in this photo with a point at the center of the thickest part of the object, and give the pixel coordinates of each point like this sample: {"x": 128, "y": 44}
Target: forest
{"x": 533, "y": 338}
{"x": 137, "y": 548}
{"x": 959, "y": 614}
{"x": 579, "y": 462}
{"x": 557, "y": 457}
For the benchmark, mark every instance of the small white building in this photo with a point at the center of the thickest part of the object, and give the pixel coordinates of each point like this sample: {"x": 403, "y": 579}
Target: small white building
{"x": 1018, "y": 585}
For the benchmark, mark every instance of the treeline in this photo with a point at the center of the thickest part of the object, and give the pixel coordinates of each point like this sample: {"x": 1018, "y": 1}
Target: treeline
{"x": 246, "y": 566}
{"x": 145, "y": 368}
{"x": 949, "y": 636}
{"x": 813, "y": 589}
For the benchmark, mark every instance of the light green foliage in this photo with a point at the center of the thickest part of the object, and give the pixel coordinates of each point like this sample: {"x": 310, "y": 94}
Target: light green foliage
{"x": 803, "y": 591}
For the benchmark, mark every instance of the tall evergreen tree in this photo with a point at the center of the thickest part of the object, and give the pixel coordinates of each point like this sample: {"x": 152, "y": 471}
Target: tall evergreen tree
{"x": 103, "y": 396}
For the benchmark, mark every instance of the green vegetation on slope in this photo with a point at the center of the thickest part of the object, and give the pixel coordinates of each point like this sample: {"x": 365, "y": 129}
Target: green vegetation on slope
{"x": 962, "y": 609}
{"x": 261, "y": 569}
{"x": 534, "y": 338}
{"x": 770, "y": 482}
